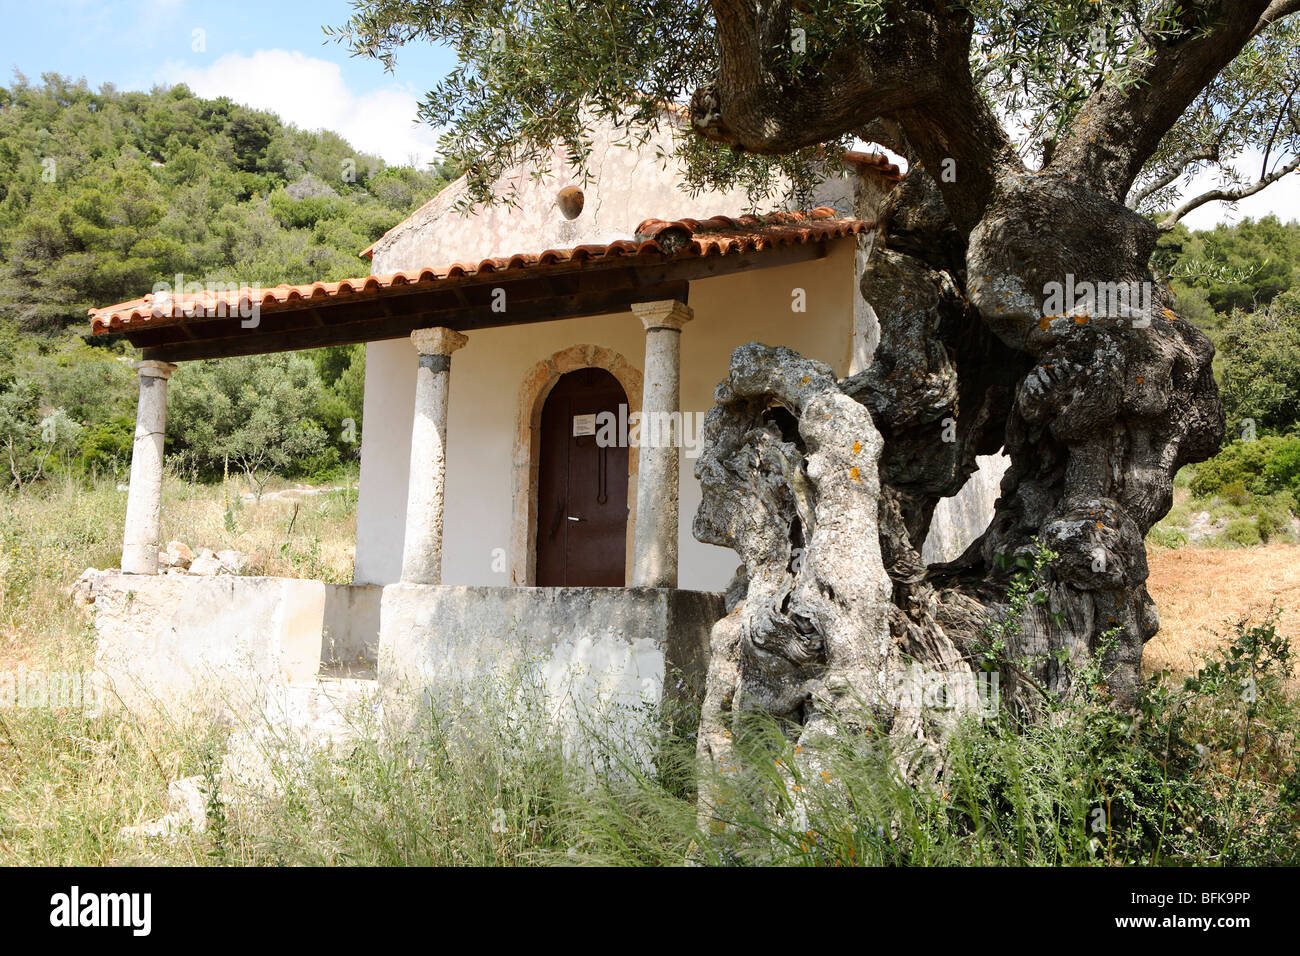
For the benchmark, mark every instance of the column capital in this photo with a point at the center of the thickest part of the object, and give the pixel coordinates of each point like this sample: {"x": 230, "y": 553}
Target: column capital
{"x": 437, "y": 341}
{"x": 663, "y": 314}
{"x": 152, "y": 368}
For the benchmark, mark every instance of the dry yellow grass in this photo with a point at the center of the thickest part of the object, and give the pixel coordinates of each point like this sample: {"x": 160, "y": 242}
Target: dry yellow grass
{"x": 1203, "y": 592}
{"x": 309, "y": 535}
{"x": 50, "y": 535}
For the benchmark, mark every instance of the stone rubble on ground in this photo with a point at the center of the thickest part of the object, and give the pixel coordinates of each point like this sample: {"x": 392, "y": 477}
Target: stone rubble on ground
{"x": 207, "y": 562}
{"x": 177, "y": 558}
{"x": 82, "y": 591}
{"x": 1201, "y": 527}
{"x": 176, "y": 555}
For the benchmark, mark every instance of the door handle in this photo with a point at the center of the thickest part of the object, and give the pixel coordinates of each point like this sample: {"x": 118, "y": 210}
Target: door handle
{"x": 572, "y": 518}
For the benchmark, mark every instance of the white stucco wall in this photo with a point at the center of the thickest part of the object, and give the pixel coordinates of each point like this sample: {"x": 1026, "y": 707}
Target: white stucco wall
{"x": 625, "y": 188}
{"x": 387, "y": 414}
{"x": 485, "y": 380}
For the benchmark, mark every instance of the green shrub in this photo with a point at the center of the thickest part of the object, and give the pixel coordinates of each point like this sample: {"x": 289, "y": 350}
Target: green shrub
{"x": 33, "y": 443}
{"x": 1260, "y": 371}
{"x": 107, "y": 447}
{"x": 1234, "y": 492}
{"x": 1282, "y": 466}
{"x": 256, "y": 413}
{"x": 1274, "y": 513}
{"x": 1242, "y": 531}
{"x": 1261, "y": 467}
{"x": 1165, "y": 536}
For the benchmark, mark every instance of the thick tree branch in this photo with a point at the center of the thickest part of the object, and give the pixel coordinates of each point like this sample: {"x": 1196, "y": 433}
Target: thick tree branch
{"x": 1276, "y": 11}
{"x": 914, "y": 71}
{"x": 1121, "y": 126}
{"x": 1227, "y": 195}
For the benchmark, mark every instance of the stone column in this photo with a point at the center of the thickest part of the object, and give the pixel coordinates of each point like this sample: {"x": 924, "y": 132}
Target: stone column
{"x": 422, "y": 550}
{"x": 654, "y": 558}
{"x": 144, "y": 497}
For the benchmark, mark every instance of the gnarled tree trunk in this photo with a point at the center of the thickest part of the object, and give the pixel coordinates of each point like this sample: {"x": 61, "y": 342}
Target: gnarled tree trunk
{"x": 825, "y": 488}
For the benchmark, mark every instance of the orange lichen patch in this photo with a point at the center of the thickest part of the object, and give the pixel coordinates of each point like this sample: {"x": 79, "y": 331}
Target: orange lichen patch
{"x": 1081, "y": 320}
{"x": 1044, "y": 323}
{"x": 855, "y": 474}
{"x": 692, "y": 238}
{"x": 857, "y": 447}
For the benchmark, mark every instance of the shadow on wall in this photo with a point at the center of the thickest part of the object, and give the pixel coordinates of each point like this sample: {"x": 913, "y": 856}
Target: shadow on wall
{"x": 961, "y": 519}
{"x": 350, "y": 631}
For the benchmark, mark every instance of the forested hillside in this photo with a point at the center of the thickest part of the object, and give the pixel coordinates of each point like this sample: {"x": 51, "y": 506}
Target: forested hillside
{"x": 104, "y": 193}
{"x": 1241, "y": 284}
{"x": 1244, "y": 266}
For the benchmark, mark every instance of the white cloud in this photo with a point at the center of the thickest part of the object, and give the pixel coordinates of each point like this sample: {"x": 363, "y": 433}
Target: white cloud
{"x": 312, "y": 94}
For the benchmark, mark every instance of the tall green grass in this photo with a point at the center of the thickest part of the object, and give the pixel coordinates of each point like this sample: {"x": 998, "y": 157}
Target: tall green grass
{"x": 1202, "y": 771}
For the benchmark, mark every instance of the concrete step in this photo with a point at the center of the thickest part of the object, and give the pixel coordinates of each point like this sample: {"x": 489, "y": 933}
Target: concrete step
{"x": 329, "y": 709}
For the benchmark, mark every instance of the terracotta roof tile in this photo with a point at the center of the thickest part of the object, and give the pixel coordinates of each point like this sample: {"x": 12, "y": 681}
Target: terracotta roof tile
{"x": 876, "y": 161}
{"x": 681, "y": 238}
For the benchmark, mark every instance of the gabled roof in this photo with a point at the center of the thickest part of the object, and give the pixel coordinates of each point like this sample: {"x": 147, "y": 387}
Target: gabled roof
{"x": 656, "y": 241}
{"x": 874, "y": 163}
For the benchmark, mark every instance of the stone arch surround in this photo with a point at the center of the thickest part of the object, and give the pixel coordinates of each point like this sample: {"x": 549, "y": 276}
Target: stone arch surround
{"x": 525, "y": 461}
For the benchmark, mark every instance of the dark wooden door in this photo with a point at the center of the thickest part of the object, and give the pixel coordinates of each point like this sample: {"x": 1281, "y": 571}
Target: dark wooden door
{"x": 581, "y": 487}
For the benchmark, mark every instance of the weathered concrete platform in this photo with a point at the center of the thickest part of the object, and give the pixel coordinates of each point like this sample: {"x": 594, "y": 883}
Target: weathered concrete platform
{"x": 225, "y": 645}
{"x": 182, "y": 643}
{"x": 590, "y": 652}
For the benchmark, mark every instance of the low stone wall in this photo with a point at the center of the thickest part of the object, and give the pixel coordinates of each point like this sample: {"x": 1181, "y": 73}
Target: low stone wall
{"x": 590, "y": 656}
{"x": 223, "y": 645}
{"x": 182, "y": 644}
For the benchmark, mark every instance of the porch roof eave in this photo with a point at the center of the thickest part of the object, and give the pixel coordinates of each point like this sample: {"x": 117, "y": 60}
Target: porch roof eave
{"x": 557, "y": 284}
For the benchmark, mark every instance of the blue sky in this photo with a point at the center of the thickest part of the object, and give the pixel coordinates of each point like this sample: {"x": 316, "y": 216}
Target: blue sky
{"x": 272, "y": 54}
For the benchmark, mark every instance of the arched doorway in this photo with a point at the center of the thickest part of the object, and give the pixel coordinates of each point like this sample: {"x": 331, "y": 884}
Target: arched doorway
{"x": 582, "y": 485}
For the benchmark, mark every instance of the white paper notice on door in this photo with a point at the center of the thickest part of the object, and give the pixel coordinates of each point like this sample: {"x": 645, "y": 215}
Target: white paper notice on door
{"x": 584, "y": 424}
